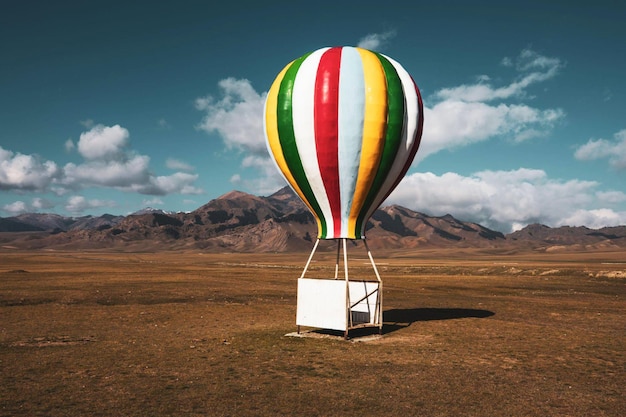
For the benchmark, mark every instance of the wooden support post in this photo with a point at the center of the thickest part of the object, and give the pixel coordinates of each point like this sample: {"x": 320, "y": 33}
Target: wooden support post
{"x": 337, "y": 261}
{"x": 345, "y": 273}
{"x": 379, "y": 304}
{"x": 345, "y": 259}
{"x": 310, "y": 257}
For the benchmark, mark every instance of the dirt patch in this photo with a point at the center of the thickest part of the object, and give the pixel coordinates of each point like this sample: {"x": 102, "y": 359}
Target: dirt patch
{"x": 53, "y": 341}
{"x": 612, "y": 274}
{"x": 352, "y": 337}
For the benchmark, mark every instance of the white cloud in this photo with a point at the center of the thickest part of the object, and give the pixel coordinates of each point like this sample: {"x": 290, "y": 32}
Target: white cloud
{"x": 531, "y": 60}
{"x": 69, "y": 145}
{"x": 152, "y": 202}
{"x": 108, "y": 173}
{"x": 535, "y": 68}
{"x": 235, "y": 179}
{"x": 130, "y": 175}
{"x": 595, "y": 219}
{"x": 237, "y": 117}
{"x": 613, "y": 150}
{"x": 454, "y": 123}
{"x": 25, "y": 172}
{"x": 18, "y": 207}
{"x": 78, "y": 204}
{"x": 59, "y": 191}
{"x": 375, "y": 41}
{"x": 594, "y": 149}
{"x": 176, "y": 164}
{"x": 270, "y": 179}
{"x": 505, "y": 200}
{"x": 103, "y": 142}
{"x": 110, "y": 164}
{"x": 87, "y": 123}
{"x": 39, "y": 203}
{"x": 462, "y": 115}
{"x": 15, "y": 208}
{"x": 611, "y": 197}
{"x": 179, "y": 183}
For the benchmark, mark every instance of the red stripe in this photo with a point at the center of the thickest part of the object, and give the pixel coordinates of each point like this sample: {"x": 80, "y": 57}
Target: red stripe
{"x": 326, "y": 115}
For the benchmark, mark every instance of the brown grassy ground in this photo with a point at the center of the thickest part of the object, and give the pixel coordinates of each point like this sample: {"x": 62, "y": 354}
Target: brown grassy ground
{"x": 466, "y": 333}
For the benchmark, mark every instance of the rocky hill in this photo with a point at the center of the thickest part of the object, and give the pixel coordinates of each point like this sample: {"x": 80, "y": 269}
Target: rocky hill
{"x": 37, "y": 222}
{"x": 569, "y": 237}
{"x": 240, "y": 222}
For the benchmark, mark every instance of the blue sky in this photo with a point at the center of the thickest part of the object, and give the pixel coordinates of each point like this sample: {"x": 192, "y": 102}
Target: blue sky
{"x": 108, "y": 107}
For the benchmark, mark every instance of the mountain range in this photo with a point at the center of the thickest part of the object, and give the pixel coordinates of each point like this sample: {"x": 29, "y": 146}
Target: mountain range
{"x": 241, "y": 222}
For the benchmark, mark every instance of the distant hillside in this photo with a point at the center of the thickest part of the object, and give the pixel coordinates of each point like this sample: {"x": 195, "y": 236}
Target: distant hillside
{"x": 28, "y": 222}
{"x": 570, "y": 237}
{"x": 241, "y": 222}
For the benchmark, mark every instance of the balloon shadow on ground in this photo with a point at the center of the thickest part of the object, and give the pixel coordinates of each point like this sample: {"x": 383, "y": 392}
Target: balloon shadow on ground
{"x": 397, "y": 319}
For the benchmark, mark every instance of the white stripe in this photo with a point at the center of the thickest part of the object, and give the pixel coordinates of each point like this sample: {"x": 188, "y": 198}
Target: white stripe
{"x": 409, "y": 130}
{"x": 351, "y": 116}
{"x": 303, "y": 101}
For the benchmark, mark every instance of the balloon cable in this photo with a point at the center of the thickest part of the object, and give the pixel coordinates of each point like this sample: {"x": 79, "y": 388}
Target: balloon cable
{"x": 337, "y": 262}
{"x": 310, "y": 257}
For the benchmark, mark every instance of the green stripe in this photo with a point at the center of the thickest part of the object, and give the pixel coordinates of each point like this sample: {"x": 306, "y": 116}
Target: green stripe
{"x": 393, "y": 137}
{"x": 287, "y": 139}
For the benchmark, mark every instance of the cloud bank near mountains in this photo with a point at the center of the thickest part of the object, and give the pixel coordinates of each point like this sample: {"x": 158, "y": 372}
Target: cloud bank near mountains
{"x": 78, "y": 204}
{"x": 509, "y": 200}
{"x": 455, "y": 117}
{"x": 108, "y": 162}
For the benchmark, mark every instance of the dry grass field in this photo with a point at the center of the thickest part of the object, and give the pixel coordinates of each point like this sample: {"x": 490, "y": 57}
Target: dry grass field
{"x": 189, "y": 334}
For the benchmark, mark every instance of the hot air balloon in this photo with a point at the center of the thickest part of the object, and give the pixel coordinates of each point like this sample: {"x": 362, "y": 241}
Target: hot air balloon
{"x": 343, "y": 125}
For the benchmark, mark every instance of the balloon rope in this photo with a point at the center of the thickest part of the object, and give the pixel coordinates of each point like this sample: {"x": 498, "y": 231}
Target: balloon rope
{"x": 337, "y": 263}
{"x": 310, "y": 257}
{"x": 369, "y": 253}
{"x": 345, "y": 269}
{"x": 378, "y": 311}
{"x": 345, "y": 259}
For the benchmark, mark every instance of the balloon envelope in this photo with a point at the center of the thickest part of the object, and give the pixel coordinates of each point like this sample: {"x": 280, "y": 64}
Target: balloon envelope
{"x": 343, "y": 125}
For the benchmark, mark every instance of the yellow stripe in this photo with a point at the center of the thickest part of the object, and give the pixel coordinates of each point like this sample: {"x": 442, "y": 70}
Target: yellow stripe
{"x": 271, "y": 124}
{"x": 374, "y": 126}
{"x": 273, "y": 139}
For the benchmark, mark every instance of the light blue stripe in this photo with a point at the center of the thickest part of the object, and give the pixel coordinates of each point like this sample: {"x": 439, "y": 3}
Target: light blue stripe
{"x": 351, "y": 116}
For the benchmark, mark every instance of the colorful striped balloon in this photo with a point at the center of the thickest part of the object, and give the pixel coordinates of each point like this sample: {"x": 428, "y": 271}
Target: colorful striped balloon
{"x": 343, "y": 125}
